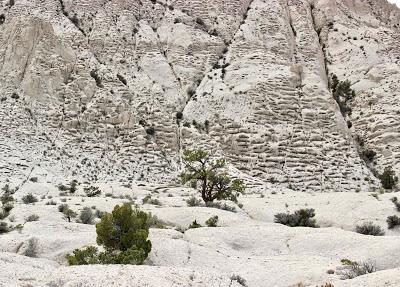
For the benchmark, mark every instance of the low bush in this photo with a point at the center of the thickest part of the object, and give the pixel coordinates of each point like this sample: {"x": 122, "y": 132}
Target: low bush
{"x": 32, "y": 217}
{"x": 193, "y": 201}
{"x": 369, "y": 228}
{"x": 396, "y": 203}
{"x": 354, "y": 269}
{"x": 388, "y": 178}
{"x": 29, "y": 198}
{"x": 212, "y": 221}
{"x": 239, "y": 280}
{"x": 393, "y": 221}
{"x": 87, "y": 216}
{"x": 123, "y": 234}
{"x": 4, "y": 228}
{"x": 301, "y": 217}
{"x": 194, "y": 225}
{"x": 32, "y": 248}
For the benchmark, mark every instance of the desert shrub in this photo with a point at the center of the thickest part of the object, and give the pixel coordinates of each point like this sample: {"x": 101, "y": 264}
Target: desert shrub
{"x": 151, "y": 131}
{"x": 193, "y": 201}
{"x": 354, "y": 269}
{"x": 222, "y": 206}
{"x": 63, "y": 207}
{"x": 51, "y": 202}
{"x": 34, "y": 179}
{"x": 3, "y": 214}
{"x": 71, "y": 188}
{"x": 155, "y": 222}
{"x": 215, "y": 184}
{"x": 301, "y": 217}
{"x": 92, "y": 191}
{"x": 123, "y": 234}
{"x": 212, "y": 221}
{"x": 8, "y": 207}
{"x": 148, "y": 200}
{"x": 29, "y": 198}
{"x": 194, "y": 224}
{"x": 368, "y": 155}
{"x": 87, "y": 216}
{"x": 343, "y": 94}
{"x": 4, "y": 228}
{"x": 32, "y": 248}
{"x": 83, "y": 256}
{"x": 7, "y": 195}
{"x": 393, "y": 221}
{"x": 32, "y": 217}
{"x": 239, "y": 280}
{"x": 388, "y": 178}
{"x": 369, "y": 228}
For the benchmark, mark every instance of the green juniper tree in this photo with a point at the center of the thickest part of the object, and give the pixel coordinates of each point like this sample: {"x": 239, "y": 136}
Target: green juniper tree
{"x": 215, "y": 184}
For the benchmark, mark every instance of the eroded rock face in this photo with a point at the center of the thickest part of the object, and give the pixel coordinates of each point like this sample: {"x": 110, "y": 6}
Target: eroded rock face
{"x": 95, "y": 89}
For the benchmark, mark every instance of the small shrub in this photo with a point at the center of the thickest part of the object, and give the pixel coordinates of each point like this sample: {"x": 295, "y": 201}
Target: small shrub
{"x": 51, "y": 202}
{"x": 29, "y": 198}
{"x": 354, "y": 269}
{"x": 193, "y": 201}
{"x": 369, "y": 228}
{"x": 34, "y": 179}
{"x": 302, "y": 217}
{"x": 388, "y": 178}
{"x": 67, "y": 212}
{"x": 7, "y": 195}
{"x": 87, "y": 216}
{"x": 151, "y": 131}
{"x": 212, "y": 221}
{"x": 8, "y": 207}
{"x": 3, "y": 214}
{"x": 194, "y": 225}
{"x": 83, "y": 256}
{"x": 4, "y": 228}
{"x": 148, "y": 200}
{"x": 123, "y": 234}
{"x": 155, "y": 222}
{"x": 393, "y": 221}
{"x": 32, "y": 217}
{"x": 99, "y": 213}
{"x": 32, "y": 248}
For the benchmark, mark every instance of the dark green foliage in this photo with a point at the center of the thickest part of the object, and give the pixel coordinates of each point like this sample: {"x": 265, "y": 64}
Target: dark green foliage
{"x": 63, "y": 207}
{"x": 123, "y": 234}
{"x": 194, "y": 225}
{"x": 2, "y": 19}
{"x": 7, "y": 195}
{"x": 368, "y": 155}
{"x": 343, "y": 94}
{"x": 214, "y": 184}
{"x": 301, "y": 217}
{"x": 29, "y": 198}
{"x": 212, "y": 221}
{"x": 87, "y": 216}
{"x": 83, "y": 256}
{"x": 369, "y": 228}
{"x": 4, "y": 227}
{"x": 393, "y": 221}
{"x": 388, "y": 178}
{"x": 151, "y": 131}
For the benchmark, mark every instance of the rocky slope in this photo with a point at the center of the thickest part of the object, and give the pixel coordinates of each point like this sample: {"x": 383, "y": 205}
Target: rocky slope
{"x": 107, "y": 89}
